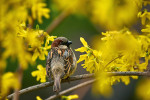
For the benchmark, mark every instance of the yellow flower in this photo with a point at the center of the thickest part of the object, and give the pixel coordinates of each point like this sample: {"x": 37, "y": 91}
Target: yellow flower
{"x": 9, "y": 81}
{"x": 115, "y": 14}
{"x": 72, "y": 6}
{"x": 50, "y": 38}
{"x": 89, "y": 65}
{"x": 83, "y": 42}
{"x": 113, "y": 55}
{"x": 144, "y": 16}
{"x": 85, "y": 46}
{"x": 39, "y": 10}
{"x": 92, "y": 61}
{"x": 82, "y": 57}
{"x": 38, "y": 98}
{"x": 123, "y": 43}
{"x": 70, "y": 97}
{"x": 40, "y": 73}
{"x": 102, "y": 85}
{"x": 143, "y": 90}
{"x": 15, "y": 47}
{"x": 147, "y": 29}
{"x": 40, "y": 52}
{"x": 82, "y": 49}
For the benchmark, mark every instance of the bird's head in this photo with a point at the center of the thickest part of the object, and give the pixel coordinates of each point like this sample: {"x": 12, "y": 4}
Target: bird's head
{"x": 61, "y": 41}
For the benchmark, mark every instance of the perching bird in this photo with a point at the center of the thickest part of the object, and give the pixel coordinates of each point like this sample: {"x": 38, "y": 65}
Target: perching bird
{"x": 61, "y": 61}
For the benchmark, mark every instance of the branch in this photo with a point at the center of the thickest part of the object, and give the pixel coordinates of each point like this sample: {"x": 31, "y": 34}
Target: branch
{"x": 129, "y": 74}
{"x": 70, "y": 89}
{"x": 78, "y": 77}
{"x": 47, "y": 84}
{"x": 57, "y": 21}
{"x": 93, "y": 80}
{"x": 20, "y": 74}
{"x": 112, "y": 61}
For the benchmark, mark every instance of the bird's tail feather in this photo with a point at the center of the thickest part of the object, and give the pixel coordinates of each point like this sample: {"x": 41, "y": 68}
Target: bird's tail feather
{"x": 57, "y": 87}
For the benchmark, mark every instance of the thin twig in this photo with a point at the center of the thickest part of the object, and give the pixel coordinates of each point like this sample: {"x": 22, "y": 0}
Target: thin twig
{"x": 1, "y": 71}
{"x": 71, "y": 89}
{"x": 129, "y": 74}
{"x": 112, "y": 61}
{"x": 20, "y": 70}
{"x": 20, "y": 74}
{"x": 57, "y": 21}
{"x": 93, "y": 80}
{"x": 78, "y": 77}
{"x": 47, "y": 84}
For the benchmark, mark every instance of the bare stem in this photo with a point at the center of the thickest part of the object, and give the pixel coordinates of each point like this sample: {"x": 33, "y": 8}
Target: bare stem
{"x": 129, "y": 74}
{"x": 93, "y": 80}
{"x": 20, "y": 74}
{"x": 1, "y": 71}
{"x": 112, "y": 61}
{"x": 47, "y": 84}
{"x": 71, "y": 89}
{"x": 57, "y": 21}
{"x": 78, "y": 77}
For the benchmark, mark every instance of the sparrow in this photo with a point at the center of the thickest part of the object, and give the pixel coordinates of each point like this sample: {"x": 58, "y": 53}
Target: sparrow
{"x": 61, "y": 61}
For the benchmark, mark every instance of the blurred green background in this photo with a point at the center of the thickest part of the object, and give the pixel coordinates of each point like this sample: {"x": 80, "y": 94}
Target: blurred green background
{"x": 73, "y": 27}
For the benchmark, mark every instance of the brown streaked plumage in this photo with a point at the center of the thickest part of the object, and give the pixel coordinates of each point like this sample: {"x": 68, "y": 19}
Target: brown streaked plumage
{"x": 61, "y": 61}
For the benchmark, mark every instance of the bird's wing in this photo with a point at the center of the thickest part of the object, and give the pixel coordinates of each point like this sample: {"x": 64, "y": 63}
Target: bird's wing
{"x": 65, "y": 54}
{"x": 68, "y": 60}
{"x": 48, "y": 63}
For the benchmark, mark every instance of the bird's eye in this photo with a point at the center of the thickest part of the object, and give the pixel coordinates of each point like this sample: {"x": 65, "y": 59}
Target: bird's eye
{"x": 67, "y": 43}
{"x": 63, "y": 43}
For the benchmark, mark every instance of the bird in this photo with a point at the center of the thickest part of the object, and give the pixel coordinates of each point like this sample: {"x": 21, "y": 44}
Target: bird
{"x": 61, "y": 62}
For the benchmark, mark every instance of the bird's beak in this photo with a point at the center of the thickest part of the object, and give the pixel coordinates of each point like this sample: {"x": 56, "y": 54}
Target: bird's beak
{"x": 69, "y": 42}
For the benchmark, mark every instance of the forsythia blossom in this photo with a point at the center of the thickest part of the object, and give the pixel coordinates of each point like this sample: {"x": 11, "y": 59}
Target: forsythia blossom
{"x": 110, "y": 14}
{"x": 16, "y": 38}
{"x": 40, "y": 73}
{"x": 19, "y": 41}
{"x": 75, "y": 6}
{"x": 39, "y": 10}
{"x": 91, "y": 58}
{"x": 85, "y": 48}
{"x": 70, "y": 97}
{"x": 9, "y": 81}
{"x": 119, "y": 50}
{"x": 38, "y": 98}
{"x": 115, "y": 55}
{"x": 102, "y": 85}
{"x": 147, "y": 29}
{"x": 144, "y": 16}
{"x": 115, "y": 14}
{"x": 143, "y": 89}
